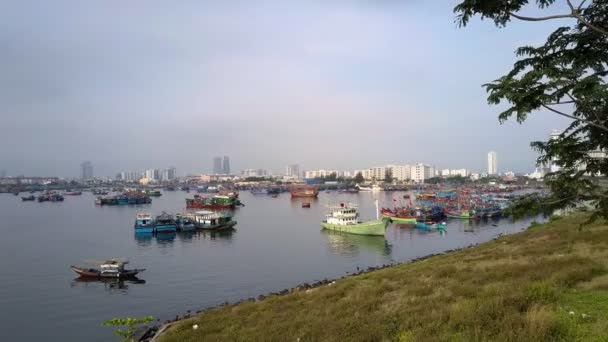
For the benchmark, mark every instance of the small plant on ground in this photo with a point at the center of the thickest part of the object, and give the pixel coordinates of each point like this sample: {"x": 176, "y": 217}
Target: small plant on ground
{"x": 128, "y": 326}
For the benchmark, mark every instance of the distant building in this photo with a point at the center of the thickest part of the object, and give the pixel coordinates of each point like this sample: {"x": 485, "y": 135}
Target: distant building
{"x": 420, "y": 172}
{"x": 553, "y": 167}
{"x": 86, "y": 170}
{"x": 492, "y": 163}
{"x": 400, "y": 172}
{"x": 455, "y": 172}
{"x": 254, "y": 173}
{"x": 217, "y": 165}
{"x": 221, "y": 165}
{"x": 226, "y": 165}
{"x": 378, "y": 172}
{"x": 319, "y": 173}
{"x": 292, "y": 170}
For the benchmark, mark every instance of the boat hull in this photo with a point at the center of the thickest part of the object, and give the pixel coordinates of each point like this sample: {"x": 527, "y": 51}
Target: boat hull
{"x": 144, "y": 229}
{"x": 89, "y": 273}
{"x": 367, "y": 228}
{"x": 396, "y": 219}
{"x": 165, "y": 228}
{"x": 226, "y": 225}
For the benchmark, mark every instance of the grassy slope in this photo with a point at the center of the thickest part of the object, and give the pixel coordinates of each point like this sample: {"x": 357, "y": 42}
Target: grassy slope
{"x": 518, "y": 288}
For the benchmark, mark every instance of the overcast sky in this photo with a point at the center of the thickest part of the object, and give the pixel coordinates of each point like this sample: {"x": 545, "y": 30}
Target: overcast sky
{"x": 338, "y": 84}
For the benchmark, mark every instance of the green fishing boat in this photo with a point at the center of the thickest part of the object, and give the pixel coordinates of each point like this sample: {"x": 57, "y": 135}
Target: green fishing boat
{"x": 345, "y": 218}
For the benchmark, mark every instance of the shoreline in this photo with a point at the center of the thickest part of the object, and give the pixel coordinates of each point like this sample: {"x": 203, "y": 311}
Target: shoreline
{"x": 154, "y": 332}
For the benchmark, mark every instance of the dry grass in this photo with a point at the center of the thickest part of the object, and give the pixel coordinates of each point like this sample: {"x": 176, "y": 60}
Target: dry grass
{"x": 547, "y": 284}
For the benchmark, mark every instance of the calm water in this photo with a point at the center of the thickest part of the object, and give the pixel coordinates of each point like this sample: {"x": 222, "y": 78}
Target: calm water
{"x": 276, "y": 245}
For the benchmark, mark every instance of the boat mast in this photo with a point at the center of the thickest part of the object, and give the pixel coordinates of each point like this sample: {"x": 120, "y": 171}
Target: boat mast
{"x": 377, "y": 214}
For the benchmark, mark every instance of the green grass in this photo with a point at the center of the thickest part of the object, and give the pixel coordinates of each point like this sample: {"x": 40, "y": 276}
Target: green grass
{"x": 547, "y": 284}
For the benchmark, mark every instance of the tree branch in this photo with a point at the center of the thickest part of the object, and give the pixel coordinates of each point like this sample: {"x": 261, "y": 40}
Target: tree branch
{"x": 558, "y": 16}
{"x": 581, "y": 4}
{"x": 600, "y": 126}
{"x": 580, "y": 18}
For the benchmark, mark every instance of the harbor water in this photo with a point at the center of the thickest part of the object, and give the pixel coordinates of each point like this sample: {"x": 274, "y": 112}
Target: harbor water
{"x": 277, "y": 244}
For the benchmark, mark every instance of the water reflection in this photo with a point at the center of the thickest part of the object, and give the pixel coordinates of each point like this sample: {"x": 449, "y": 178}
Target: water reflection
{"x": 351, "y": 244}
{"x": 109, "y": 284}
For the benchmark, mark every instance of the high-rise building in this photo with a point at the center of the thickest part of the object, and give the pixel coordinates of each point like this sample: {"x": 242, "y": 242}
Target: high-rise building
{"x": 171, "y": 173}
{"x": 217, "y": 166}
{"x": 492, "y": 163}
{"x": 86, "y": 170}
{"x": 553, "y": 167}
{"x": 292, "y": 170}
{"x": 226, "y": 165}
{"x": 420, "y": 172}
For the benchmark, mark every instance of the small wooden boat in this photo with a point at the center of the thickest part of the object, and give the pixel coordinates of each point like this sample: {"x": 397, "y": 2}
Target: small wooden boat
{"x": 305, "y": 205}
{"x": 112, "y": 268}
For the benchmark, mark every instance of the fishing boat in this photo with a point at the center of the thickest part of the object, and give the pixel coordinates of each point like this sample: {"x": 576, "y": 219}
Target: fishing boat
{"x": 165, "y": 223}
{"x": 345, "y": 218}
{"x": 205, "y": 219}
{"x": 72, "y": 193}
{"x": 144, "y": 223}
{"x": 431, "y": 225}
{"x": 304, "y": 191}
{"x": 399, "y": 215}
{"x": 28, "y": 198}
{"x": 258, "y": 191}
{"x": 218, "y": 202}
{"x": 112, "y": 268}
{"x": 153, "y": 193}
{"x": 462, "y": 214}
{"x": 184, "y": 223}
{"x": 50, "y": 197}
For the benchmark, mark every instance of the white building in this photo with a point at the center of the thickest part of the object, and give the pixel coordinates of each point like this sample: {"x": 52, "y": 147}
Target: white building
{"x": 554, "y": 135}
{"x": 420, "y": 172}
{"x": 310, "y": 174}
{"x": 378, "y": 172}
{"x": 254, "y": 173}
{"x": 492, "y": 163}
{"x": 400, "y": 172}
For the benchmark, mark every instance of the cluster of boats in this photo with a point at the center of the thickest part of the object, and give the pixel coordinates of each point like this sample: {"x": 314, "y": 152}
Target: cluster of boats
{"x": 125, "y": 198}
{"x": 188, "y": 221}
{"x": 225, "y": 201}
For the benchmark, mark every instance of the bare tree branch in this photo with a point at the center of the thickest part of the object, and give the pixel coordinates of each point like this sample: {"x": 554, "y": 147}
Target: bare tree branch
{"x": 600, "y": 126}
{"x": 578, "y": 16}
{"x": 581, "y": 4}
{"x": 559, "y": 16}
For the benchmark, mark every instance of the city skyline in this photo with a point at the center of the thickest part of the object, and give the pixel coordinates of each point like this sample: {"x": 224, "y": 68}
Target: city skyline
{"x": 362, "y": 68}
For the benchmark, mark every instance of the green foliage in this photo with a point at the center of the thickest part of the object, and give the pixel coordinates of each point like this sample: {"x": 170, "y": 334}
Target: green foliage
{"x": 129, "y": 326}
{"x": 359, "y": 178}
{"x": 565, "y": 76}
{"x": 433, "y": 180}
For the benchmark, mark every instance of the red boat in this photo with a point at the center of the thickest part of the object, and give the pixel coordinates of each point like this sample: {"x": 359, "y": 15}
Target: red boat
{"x": 304, "y": 191}
{"x": 107, "y": 269}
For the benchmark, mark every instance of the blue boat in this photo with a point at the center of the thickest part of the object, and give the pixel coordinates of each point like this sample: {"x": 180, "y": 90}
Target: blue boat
{"x": 165, "y": 223}
{"x": 144, "y": 223}
{"x": 184, "y": 223}
{"x": 431, "y": 225}
{"x": 122, "y": 200}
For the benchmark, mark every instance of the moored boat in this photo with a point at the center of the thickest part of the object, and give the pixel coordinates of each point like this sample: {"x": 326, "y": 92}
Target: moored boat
{"x": 304, "y": 191}
{"x": 72, "y": 193}
{"x": 217, "y": 202}
{"x": 184, "y": 223}
{"x": 211, "y": 220}
{"x": 144, "y": 223}
{"x": 28, "y": 198}
{"x": 165, "y": 223}
{"x": 398, "y": 216}
{"x": 462, "y": 214}
{"x": 345, "y": 218}
{"x": 107, "y": 269}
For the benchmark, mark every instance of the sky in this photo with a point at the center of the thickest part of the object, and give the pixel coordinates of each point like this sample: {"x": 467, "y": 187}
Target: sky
{"x": 334, "y": 84}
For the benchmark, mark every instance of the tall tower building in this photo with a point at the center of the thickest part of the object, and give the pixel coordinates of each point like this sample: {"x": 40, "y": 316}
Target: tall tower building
{"x": 292, "y": 170}
{"x": 226, "y": 165}
{"x": 553, "y": 167}
{"x": 217, "y": 165}
{"x": 492, "y": 163}
{"x": 86, "y": 170}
